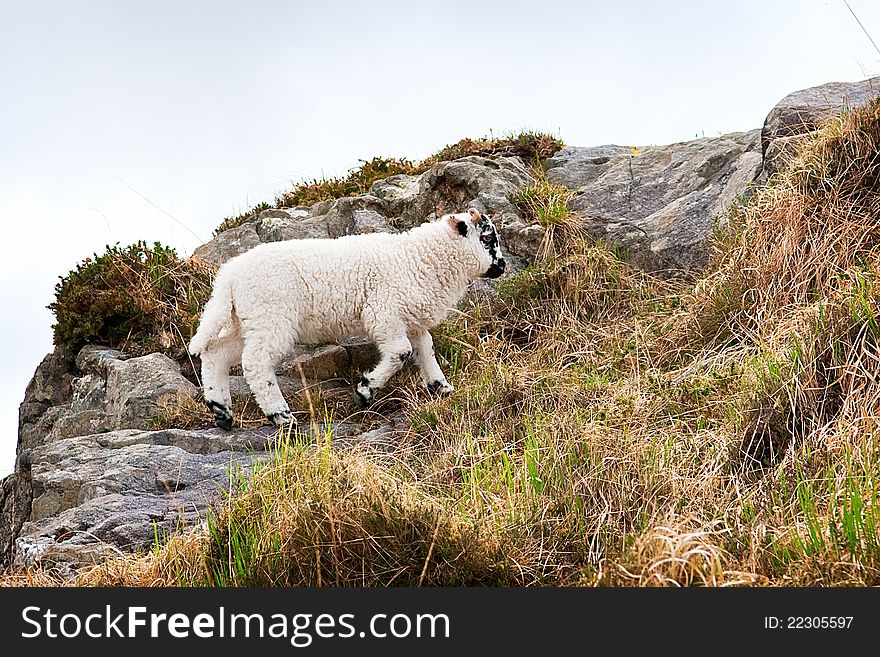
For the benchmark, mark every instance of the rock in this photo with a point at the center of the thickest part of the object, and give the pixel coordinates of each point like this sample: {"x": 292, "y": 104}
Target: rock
{"x": 317, "y": 362}
{"x": 92, "y": 359}
{"x": 803, "y": 111}
{"x": 97, "y": 495}
{"x": 362, "y": 354}
{"x": 484, "y": 183}
{"x": 275, "y": 225}
{"x": 356, "y": 215}
{"x": 49, "y": 387}
{"x": 16, "y": 493}
{"x": 397, "y": 192}
{"x": 576, "y": 166}
{"x": 290, "y": 387}
{"x": 660, "y": 202}
{"x": 136, "y": 386}
{"x": 453, "y": 186}
{"x": 77, "y": 423}
{"x": 229, "y": 244}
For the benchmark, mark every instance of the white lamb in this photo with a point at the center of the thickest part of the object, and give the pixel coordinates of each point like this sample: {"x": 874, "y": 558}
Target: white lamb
{"x": 390, "y": 288}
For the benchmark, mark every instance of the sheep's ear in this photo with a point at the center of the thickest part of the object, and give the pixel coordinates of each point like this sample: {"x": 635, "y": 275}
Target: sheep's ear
{"x": 475, "y": 215}
{"x": 457, "y": 225}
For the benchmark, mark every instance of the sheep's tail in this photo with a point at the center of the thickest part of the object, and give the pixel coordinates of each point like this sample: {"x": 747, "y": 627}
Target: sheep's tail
{"x": 218, "y": 318}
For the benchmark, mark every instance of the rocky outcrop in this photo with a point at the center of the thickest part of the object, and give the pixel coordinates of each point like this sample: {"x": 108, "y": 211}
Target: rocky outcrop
{"x": 94, "y": 473}
{"x": 95, "y": 476}
{"x": 398, "y": 203}
{"x": 99, "y": 494}
{"x": 659, "y": 202}
{"x": 16, "y": 495}
{"x": 801, "y": 112}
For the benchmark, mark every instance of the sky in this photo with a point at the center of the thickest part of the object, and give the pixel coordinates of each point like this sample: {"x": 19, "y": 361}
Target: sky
{"x": 122, "y": 121}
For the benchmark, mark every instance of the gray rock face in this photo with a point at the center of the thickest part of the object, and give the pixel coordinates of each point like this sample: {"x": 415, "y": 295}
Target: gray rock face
{"x": 659, "y": 202}
{"x": 16, "y": 494}
{"x": 136, "y": 387}
{"x": 485, "y": 183}
{"x": 229, "y": 244}
{"x": 95, "y": 477}
{"x": 801, "y": 112}
{"x": 97, "y": 495}
{"x": 50, "y": 386}
{"x": 112, "y": 392}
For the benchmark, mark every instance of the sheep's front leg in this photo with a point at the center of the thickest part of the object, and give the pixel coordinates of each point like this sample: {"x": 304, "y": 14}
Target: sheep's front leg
{"x": 395, "y": 351}
{"x": 258, "y": 361}
{"x": 423, "y": 353}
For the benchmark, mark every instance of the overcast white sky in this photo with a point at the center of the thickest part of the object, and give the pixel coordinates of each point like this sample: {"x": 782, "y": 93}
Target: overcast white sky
{"x": 206, "y": 108}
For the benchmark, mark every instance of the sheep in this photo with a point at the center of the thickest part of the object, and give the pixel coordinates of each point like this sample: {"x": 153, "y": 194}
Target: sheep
{"x": 388, "y": 287}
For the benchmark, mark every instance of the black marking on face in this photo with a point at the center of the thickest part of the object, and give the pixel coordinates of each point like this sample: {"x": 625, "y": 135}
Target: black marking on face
{"x": 434, "y": 386}
{"x": 364, "y": 382}
{"x": 489, "y": 240}
{"x": 405, "y": 357}
{"x": 495, "y": 270}
{"x": 462, "y": 228}
{"x": 270, "y": 383}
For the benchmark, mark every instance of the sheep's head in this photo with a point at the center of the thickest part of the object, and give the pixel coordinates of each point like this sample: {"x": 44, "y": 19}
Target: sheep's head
{"x": 480, "y": 232}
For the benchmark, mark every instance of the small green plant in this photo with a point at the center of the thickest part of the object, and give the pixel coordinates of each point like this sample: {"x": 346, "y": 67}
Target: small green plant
{"x": 139, "y": 298}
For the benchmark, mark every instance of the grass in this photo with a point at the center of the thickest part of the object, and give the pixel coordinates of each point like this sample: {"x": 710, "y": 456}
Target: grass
{"x": 533, "y": 147}
{"x": 608, "y": 428}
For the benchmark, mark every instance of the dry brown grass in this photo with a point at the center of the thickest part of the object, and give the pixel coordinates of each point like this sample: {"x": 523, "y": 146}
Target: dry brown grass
{"x": 609, "y": 428}
{"x": 533, "y": 147}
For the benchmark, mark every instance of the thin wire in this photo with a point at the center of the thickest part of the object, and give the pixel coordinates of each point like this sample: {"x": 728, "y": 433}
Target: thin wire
{"x": 862, "y": 26}
{"x": 160, "y": 209}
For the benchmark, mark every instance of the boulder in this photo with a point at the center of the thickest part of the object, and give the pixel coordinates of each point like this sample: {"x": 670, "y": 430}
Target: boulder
{"x": 396, "y": 192}
{"x": 229, "y": 244}
{"x": 801, "y": 112}
{"x": 660, "y": 203}
{"x": 136, "y": 387}
{"x": 355, "y": 215}
{"x": 482, "y": 182}
{"x": 97, "y": 495}
{"x": 319, "y": 362}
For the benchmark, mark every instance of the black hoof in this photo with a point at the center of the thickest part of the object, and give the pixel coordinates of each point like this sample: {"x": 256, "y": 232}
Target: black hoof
{"x": 361, "y": 400}
{"x": 222, "y": 416}
{"x": 280, "y": 419}
{"x": 441, "y": 388}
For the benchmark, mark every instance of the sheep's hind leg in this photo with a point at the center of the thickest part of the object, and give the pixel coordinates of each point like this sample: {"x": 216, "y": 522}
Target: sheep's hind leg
{"x": 216, "y": 362}
{"x": 395, "y": 352}
{"x": 432, "y": 376}
{"x": 258, "y": 363}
